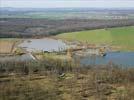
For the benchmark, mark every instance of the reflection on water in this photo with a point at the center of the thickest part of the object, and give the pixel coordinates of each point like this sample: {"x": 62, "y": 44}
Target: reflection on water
{"x": 119, "y": 58}
{"x": 45, "y": 44}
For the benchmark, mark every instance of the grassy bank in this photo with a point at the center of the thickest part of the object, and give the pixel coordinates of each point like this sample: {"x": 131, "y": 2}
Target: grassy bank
{"x": 59, "y": 56}
{"x": 121, "y": 37}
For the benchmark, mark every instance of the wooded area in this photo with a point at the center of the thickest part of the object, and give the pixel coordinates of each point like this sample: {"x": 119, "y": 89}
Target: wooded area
{"x": 25, "y": 27}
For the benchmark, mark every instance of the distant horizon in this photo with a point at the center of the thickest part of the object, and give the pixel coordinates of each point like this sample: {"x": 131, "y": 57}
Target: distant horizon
{"x": 67, "y": 3}
{"x": 70, "y": 7}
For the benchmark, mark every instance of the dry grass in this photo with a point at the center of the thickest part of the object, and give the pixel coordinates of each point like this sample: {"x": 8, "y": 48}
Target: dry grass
{"x": 54, "y": 56}
{"x": 52, "y": 80}
{"x": 7, "y": 46}
{"x": 77, "y": 85}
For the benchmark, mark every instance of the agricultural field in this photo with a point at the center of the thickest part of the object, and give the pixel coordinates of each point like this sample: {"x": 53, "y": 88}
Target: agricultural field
{"x": 122, "y": 36}
{"x": 67, "y": 13}
{"x": 6, "y": 46}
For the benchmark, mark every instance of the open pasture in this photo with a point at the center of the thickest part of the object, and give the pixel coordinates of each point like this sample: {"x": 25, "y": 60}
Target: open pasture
{"x": 122, "y": 37}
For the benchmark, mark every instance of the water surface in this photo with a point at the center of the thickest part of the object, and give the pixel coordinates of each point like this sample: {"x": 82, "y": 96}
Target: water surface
{"x": 45, "y": 44}
{"x": 25, "y": 57}
{"x": 125, "y": 59}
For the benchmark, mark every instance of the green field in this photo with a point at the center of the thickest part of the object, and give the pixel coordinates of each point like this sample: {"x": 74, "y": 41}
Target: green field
{"x": 123, "y": 37}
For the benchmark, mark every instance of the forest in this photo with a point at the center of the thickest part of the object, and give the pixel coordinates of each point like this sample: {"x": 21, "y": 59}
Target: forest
{"x": 25, "y": 27}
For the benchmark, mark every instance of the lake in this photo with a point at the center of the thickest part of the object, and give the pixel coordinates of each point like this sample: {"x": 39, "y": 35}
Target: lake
{"x": 50, "y": 45}
{"x": 125, "y": 59}
{"x": 45, "y": 44}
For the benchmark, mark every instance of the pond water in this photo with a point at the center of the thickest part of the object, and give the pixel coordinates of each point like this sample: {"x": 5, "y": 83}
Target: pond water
{"x": 125, "y": 59}
{"x": 45, "y": 44}
{"x": 50, "y": 45}
{"x": 25, "y": 57}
